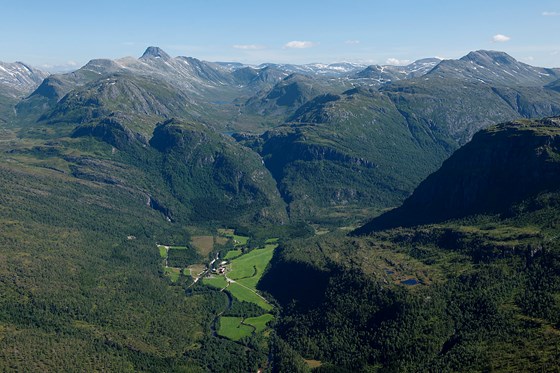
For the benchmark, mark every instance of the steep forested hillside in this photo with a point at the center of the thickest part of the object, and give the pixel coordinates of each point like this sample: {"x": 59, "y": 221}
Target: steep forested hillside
{"x": 502, "y": 166}
{"x": 342, "y": 152}
{"x": 476, "y": 294}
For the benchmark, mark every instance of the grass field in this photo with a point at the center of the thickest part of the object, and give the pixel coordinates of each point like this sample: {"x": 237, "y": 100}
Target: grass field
{"x": 172, "y": 273}
{"x": 244, "y": 294}
{"x": 237, "y": 240}
{"x": 162, "y": 251}
{"x": 233, "y": 254}
{"x": 218, "y": 282}
{"x": 260, "y": 322}
{"x": 231, "y": 327}
{"x": 313, "y": 363}
{"x": 195, "y": 269}
{"x": 240, "y": 240}
{"x": 220, "y": 240}
{"x": 226, "y": 232}
{"x": 203, "y": 244}
{"x": 246, "y": 270}
{"x": 249, "y": 268}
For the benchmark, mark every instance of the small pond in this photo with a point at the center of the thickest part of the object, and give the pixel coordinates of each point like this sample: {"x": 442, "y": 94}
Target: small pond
{"x": 410, "y": 282}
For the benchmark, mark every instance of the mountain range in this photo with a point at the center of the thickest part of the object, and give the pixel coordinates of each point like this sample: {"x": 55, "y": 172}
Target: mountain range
{"x": 372, "y": 125}
{"x": 415, "y": 209}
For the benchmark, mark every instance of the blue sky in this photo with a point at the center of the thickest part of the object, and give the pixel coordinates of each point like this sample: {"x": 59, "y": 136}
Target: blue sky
{"x": 72, "y": 32}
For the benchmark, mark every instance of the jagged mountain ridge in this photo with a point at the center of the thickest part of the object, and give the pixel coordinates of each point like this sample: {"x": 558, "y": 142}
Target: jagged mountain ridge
{"x": 485, "y": 87}
{"x": 496, "y": 68}
{"x": 387, "y": 73}
{"x": 18, "y": 79}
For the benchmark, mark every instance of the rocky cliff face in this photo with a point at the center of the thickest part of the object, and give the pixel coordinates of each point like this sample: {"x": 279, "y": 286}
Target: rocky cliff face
{"x": 18, "y": 79}
{"x": 502, "y": 166}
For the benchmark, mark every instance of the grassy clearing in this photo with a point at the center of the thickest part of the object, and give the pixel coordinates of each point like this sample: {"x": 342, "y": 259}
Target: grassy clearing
{"x": 203, "y": 244}
{"x": 162, "y": 251}
{"x": 313, "y": 363}
{"x": 172, "y": 273}
{"x": 271, "y": 240}
{"x": 240, "y": 240}
{"x": 244, "y": 294}
{"x": 246, "y": 270}
{"x": 218, "y": 282}
{"x": 260, "y": 322}
{"x": 179, "y": 248}
{"x": 233, "y": 254}
{"x": 221, "y": 240}
{"x": 237, "y": 240}
{"x": 195, "y": 269}
{"x": 226, "y": 232}
{"x": 231, "y": 327}
{"x": 249, "y": 268}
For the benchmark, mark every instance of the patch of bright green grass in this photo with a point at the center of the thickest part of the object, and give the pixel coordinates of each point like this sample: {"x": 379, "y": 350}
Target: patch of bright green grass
{"x": 244, "y": 294}
{"x": 162, "y": 251}
{"x": 260, "y": 322}
{"x": 232, "y": 254}
{"x": 271, "y": 240}
{"x": 249, "y": 268}
{"x": 172, "y": 273}
{"x": 231, "y": 327}
{"x": 218, "y": 282}
{"x": 240, "y": 240}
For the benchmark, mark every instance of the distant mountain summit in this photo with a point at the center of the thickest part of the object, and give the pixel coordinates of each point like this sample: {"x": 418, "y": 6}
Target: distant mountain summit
{"x": 494, "y": 67}
{"x": 387, "y": 73}
{"x": 18, "y": 78}
{"x": 155, "y": 52}
{"x": 489, "y": 57}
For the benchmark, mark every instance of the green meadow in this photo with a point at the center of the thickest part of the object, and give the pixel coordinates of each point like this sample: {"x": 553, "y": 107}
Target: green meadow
{"x": 232, "y": 328}
{"x": 218, "y": 282}
{"x": 248, "y": 295}
{"x": 260, "y": 322}
{"x": 236, "y": 328}
{"x": 249, "y": 268}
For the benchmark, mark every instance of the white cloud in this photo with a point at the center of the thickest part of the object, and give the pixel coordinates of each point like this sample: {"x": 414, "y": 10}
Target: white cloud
{"x": 551, "y": 14}
{"x": 352, "y": 42}
{"x": 500, "y": 38}
{"x": 394, "y": 61}
{"x": 296, "y": 44}
{"x": 248, "y": 46}
{"x": 62, "y": 68}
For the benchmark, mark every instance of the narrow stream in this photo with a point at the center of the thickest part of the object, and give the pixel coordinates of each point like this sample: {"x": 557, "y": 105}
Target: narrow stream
{"x": 214, "y": 324}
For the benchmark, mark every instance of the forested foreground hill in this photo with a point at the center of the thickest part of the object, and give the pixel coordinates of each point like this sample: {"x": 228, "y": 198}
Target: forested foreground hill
{"x": 480, "y": 292}
{"x": 81, "y": 210}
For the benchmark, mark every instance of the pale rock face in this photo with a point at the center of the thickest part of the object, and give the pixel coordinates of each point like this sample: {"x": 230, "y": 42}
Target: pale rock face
{"x": 19, "y": 79}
